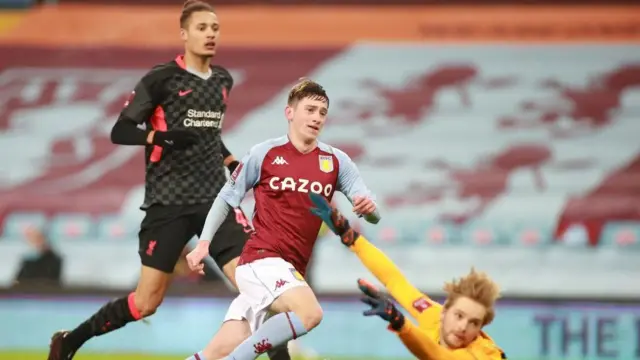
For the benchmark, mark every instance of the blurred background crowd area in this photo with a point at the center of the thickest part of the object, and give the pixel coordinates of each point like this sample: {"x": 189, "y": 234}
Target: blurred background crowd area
{"x": 500, "y": 135}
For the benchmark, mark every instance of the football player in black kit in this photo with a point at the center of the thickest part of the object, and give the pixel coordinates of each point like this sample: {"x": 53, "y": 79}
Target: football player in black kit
{"x": 182, "y": 105}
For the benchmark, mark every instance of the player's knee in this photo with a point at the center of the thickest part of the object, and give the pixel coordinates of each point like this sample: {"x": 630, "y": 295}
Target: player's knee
{"x": 301, "y": 301}
{"x": 147, "y": 304}
{"x": 310, "y": 317}
{"x": 150, "y": 291}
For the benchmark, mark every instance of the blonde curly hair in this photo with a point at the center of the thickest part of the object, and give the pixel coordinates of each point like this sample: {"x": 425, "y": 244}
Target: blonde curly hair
{"x": 476, "y": 286}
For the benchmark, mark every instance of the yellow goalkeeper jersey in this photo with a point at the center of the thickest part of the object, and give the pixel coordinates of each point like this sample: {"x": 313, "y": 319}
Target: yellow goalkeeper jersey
{"x": 423, "y": 340}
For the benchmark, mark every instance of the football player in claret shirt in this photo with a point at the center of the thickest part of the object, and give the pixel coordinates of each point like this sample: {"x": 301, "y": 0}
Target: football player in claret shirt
{"x": 452, "y": 331}
{"x": 182, "y": 105}
{"x": 270, "y": 275}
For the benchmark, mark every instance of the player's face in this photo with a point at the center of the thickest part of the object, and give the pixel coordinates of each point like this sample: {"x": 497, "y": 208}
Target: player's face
{"x": 307, "y": 118}
{"x": 462, "y": 322}
{"x": 202, "y": 33}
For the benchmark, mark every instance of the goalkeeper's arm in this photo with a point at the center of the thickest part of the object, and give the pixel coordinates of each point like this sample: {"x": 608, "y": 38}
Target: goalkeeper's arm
{"x": 375, "y": 260}
{"x": 392, "y": 278}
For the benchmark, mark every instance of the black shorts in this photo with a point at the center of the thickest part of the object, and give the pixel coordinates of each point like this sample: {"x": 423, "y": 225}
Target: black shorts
{"x": 166, "y": 229}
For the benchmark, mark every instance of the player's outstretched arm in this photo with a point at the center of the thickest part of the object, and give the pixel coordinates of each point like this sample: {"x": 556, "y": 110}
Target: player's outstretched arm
{"x": 373, "y": 259}
{"x": 379, "y": 264}
{"x": 352, "y": 185}
{"x": 416, "y": 340}
{"x": 138, "y": 109}
{"x": 244, "y": 177}
{"x": 421, "y": 345}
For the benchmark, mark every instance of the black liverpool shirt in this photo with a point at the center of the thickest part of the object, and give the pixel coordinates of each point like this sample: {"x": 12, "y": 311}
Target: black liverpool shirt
{"x": 171, "y": 97}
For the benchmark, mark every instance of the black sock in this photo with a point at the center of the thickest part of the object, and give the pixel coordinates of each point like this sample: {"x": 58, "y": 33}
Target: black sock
{"x": 113, "y": 315}
{"x": 279, "y": 353}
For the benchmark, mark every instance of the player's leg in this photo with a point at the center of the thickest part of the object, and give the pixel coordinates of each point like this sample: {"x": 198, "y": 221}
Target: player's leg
{"x": 231, "y": 333}
{"x": 163, "y": 233}
{"x": 235, "y": 328}
{"x": 274, "y": 284}
{"x": 225, "y": 249}
{"x": 278, "y": 352}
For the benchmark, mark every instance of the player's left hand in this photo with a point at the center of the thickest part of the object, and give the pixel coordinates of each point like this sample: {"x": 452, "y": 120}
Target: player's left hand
{"x": 363, "y": 205}
{"x": 381, "y": 305}
{"x": 195, "y": 257}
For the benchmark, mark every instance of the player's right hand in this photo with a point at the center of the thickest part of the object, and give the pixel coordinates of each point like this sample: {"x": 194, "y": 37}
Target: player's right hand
{"x": 175, "y": 139}
{"x": 195, "y": 256}
{"x": 334, "y": 219}
{"x": 381, "y": 305}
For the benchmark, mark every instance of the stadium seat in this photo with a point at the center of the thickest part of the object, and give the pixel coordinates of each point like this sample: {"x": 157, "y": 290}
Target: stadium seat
{"x": 71, "y": 227}
{"x": 434, "y": 233}
{"x": 117, "y": 227}
{"x": 482, "y": 233}
{"x": 386, "y": 232}
{"x": 622, "y": 235}
{"x": 575, "y": 236}
{"x": 15, "y": 224}
{"x": 529, "y": 234}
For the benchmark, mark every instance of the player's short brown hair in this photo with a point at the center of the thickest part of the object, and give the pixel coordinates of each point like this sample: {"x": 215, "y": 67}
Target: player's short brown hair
{"x": 476, "y": 286}
{"x": 306, "y": 88}
{"x": 190, "y": 7}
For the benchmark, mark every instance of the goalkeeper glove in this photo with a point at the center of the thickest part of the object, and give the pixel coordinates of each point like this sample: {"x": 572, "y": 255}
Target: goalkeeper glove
{"x": 381, "y": 305}
{"x": 175, "y": 139}
{"x": 334, "y": 219}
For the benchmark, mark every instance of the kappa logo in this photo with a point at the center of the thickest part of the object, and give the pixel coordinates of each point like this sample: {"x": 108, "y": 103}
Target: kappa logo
{"x": 279, "y": 160}
{"x": 280, "y": 283}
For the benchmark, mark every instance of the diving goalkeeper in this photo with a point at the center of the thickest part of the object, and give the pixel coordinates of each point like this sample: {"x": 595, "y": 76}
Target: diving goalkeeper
{"x": 452, "y": 331}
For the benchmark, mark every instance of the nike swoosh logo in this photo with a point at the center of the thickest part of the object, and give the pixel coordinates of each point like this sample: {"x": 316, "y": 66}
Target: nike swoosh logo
{"x": 170, "y": 142}
{"x": 184, "y": 92}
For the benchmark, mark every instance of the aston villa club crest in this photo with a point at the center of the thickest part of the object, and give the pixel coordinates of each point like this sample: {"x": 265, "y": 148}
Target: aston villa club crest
{"x": 297, "y": 275}
{"x": 326, "y": 163}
